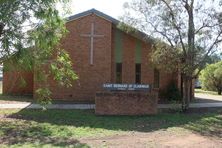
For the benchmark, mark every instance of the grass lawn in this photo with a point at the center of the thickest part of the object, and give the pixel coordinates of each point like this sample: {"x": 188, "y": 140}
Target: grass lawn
{"x": 205, "y": 92}
{"x": 68, "y": 128}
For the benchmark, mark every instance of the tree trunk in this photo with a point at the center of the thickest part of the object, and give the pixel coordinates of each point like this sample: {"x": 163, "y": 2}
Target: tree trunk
{"x": 219, "y": 91}
{"x": 191, "y": 90}
{"x": 187, "y": 93}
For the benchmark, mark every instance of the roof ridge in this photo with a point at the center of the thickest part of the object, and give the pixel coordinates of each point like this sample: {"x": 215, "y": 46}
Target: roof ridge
{"x": 139, "y": 34}
{"x": 91, "y": 11}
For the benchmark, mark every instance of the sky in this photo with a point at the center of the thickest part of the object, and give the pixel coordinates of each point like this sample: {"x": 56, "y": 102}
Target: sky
{"x": 113, "y": 8}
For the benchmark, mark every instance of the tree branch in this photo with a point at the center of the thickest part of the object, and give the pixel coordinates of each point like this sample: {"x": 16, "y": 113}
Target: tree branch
{"x": 192, "y": 2}
{"x": 217, "y": 40}
{"x": 205, "y": 26}
{"x": 176, "y": 27}
{"x": 161, "y": 32}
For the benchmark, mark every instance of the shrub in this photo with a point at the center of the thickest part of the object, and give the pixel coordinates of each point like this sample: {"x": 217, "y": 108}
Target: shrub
{"x": 172, "y": 93}
{"x": 211, "y": 77}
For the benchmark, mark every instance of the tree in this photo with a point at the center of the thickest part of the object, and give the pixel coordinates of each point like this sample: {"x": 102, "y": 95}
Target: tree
{"x": 190, "y": 29}
{"x": 30, "y": 32}
{"x": 211, "y": 77}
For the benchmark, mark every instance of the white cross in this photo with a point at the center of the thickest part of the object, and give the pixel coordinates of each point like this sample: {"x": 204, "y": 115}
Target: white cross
{"x": 92, "y": 35}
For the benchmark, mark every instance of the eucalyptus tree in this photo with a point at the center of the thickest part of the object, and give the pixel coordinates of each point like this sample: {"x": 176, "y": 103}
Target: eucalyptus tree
{"x": 189, "y": 30}
{"x": 30, "y": 32}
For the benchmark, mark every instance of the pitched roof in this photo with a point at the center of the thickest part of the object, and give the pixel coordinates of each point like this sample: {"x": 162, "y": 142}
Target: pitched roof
{"x": 136, "y": 33}
{"x": 96, "y": 12}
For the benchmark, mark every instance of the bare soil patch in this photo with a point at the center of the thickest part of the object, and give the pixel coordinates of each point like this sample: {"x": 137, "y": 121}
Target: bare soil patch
{"x": 158, "y": 139}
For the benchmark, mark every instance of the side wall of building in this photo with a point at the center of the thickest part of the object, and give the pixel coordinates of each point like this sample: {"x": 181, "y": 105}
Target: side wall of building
{"x": 17, "y": 83}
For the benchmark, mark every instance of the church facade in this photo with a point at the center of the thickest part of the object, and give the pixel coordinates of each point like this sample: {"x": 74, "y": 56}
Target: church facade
{"x": 101, "y": 53}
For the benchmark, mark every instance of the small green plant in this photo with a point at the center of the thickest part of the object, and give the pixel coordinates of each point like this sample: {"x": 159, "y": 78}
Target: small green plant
{"x": 44, "y": 97}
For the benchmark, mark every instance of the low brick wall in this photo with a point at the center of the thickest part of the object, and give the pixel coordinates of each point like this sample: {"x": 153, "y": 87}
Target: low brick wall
{"x": 126, "y": 103}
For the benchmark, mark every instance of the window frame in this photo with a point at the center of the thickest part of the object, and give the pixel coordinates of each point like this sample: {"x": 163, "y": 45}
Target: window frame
{"x": 138, "y": 73}
{"x": 119, "y": 73}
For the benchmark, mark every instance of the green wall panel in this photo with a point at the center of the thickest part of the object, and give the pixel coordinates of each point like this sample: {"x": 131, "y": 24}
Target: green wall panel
{"x": 118, "y": 46}
{"x": 138, "y": 51}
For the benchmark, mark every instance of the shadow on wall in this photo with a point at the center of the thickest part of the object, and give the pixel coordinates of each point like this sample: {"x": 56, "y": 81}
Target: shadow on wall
{"x": 204, "y": 124}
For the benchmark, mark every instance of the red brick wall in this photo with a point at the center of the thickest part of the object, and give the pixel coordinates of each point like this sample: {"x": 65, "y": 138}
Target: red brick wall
{"x": 91, "y": 77}
{"x": 147, "y": 67}
{"x": 128, "y": 65}
{"x": 166, "y": 78}
{"x": 13, "y": 83}
{"x": 126, "y": 103}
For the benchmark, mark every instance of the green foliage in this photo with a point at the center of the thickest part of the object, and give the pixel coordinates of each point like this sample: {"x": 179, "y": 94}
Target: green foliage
{"x": 20, "y": 61}
{"x": 211, "y": 77}
{"x": 172, "y": 93}
{"x": 163, "y": 55}
{"x": 30, "y": 32}
{"x": 61, "y": 68}
{"x": 44, "y": 96}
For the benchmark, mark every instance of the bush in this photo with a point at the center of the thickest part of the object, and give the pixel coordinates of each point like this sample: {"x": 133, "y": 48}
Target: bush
{"x": 211, "y": 77}
{"x": 172, "y": 93}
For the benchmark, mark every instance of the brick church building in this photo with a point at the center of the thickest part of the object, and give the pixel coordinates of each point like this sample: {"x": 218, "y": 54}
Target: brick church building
{"x": 101, "y": 53}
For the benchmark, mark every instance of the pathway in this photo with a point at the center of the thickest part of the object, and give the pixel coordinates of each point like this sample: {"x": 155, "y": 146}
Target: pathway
{"x": 207, "y": 98}
{"x": 92, "y": 106}
{"x": 201, "y": 101}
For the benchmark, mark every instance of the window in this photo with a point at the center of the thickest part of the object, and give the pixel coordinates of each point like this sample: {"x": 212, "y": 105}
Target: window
{"x": 138, "y": 74}
{"x": 118, "y": 72}
{"x": 156, "y": 78}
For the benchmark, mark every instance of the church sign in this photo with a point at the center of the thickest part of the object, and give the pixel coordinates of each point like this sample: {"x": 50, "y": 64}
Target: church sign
{"x": 126, "y": 87}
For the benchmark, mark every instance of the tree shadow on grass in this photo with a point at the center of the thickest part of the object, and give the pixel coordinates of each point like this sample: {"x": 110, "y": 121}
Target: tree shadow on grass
{"x": 209, "y": 124}
{"x": 20, "y": 134}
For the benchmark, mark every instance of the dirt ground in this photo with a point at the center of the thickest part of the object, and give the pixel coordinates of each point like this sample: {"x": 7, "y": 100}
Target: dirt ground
{"x": 158, "y": 139}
